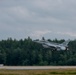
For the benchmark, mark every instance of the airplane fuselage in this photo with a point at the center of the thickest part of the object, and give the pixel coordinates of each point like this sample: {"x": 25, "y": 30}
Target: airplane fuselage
{"x": 57, "y": 47}
{"x": 54, "y": 46}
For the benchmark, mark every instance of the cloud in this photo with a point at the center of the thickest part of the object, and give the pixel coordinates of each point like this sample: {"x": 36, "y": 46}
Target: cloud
{"x": 52, "y": 34}
{"x": 39, "y": 33}
{"x": 38, "y": 18}
{"x": 71, "y": 34}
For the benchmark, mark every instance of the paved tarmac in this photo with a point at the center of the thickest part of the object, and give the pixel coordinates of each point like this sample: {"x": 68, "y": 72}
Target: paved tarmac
{"x": 36, "y": 67}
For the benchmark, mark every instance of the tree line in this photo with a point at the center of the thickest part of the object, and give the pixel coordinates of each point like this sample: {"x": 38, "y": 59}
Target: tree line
{"x": 26, "y": 52}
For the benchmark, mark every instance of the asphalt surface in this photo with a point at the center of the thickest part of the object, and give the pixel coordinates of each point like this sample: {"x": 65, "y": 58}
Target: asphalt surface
{"x": 36, "y": 67}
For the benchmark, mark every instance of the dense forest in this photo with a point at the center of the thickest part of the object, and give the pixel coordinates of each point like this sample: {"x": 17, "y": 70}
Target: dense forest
{"x": 26, "y": 52}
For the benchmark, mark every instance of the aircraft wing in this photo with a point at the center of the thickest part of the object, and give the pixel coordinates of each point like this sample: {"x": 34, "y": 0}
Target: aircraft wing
{"x": 47, "y": 43}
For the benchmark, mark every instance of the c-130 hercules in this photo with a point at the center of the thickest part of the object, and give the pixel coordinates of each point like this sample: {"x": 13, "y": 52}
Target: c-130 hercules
{"x": 53, "y": 46}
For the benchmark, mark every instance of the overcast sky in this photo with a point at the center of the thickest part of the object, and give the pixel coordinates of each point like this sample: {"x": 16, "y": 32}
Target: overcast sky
{"x": 37, "y": 18}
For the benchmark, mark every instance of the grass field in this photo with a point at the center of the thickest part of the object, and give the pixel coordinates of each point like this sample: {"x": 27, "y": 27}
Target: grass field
{"x": 39, "y": 72}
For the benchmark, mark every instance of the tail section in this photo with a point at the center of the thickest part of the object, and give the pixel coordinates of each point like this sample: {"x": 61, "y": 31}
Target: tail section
{"x": 65, "y": 43}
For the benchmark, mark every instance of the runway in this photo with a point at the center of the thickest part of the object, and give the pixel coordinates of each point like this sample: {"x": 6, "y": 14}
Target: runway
{"x": 36, "y": 67}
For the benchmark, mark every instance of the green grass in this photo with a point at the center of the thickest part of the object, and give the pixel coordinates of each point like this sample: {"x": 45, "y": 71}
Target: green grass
{"x": 8, "y": 74}
{"x": 39, "y": 72}
{"x": 65, "y": 73}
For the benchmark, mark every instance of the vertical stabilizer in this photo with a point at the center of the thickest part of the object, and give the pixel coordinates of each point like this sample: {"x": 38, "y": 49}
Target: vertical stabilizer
{"x": 65, "y": 43}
